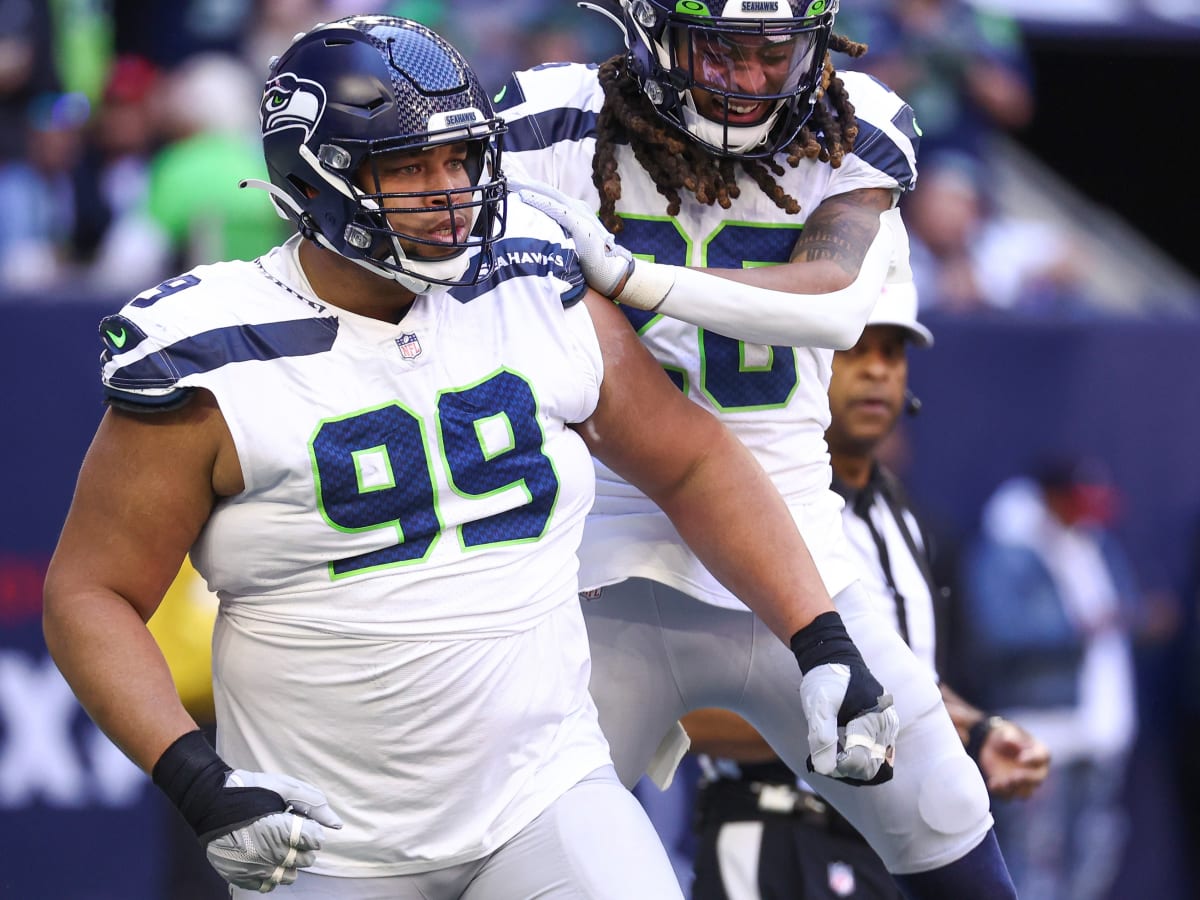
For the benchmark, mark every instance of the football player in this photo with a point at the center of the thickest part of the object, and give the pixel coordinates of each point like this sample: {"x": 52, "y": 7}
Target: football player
{"x": 724, "y": 138}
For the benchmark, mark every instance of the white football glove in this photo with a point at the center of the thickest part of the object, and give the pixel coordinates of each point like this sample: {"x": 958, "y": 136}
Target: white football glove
{"x": 863, "y": 749}
{"x": 608, "y": 267}
{"x": 269, "y": 851}
{"x": 852, "y": 724}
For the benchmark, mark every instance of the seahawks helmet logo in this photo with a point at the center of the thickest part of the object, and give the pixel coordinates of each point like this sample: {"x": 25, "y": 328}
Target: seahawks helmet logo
{"x": 291, "y": 102}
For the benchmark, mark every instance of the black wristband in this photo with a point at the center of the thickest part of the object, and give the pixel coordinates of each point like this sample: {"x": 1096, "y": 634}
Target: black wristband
{"x": 977, "y": 735}
{"x": 823, "y": 640}
{"x": 192, "y": 776}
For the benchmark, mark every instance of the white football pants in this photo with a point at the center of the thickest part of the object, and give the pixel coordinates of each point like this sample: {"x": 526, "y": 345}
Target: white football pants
{"x": 593, "y": 843}
{"x": 658, "y": 653}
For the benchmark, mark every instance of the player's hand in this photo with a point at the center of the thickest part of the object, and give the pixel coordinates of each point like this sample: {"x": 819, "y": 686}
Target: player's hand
{"x": 1013, "y": 761}
{"x": 605, "y": 263}
{"x": 852, "y": 724}
{"x": 257, "y": 828}
{"x": 269, "y": 851}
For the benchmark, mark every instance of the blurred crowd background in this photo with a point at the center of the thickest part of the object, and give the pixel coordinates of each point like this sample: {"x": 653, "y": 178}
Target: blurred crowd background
{"x": 1054, "y": 250}
{"x": 125, "y": 125}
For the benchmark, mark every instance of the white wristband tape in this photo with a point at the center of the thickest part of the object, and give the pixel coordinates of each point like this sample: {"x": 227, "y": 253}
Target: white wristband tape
{"x": 833, "y": 320}
{"x": 648, "y": 283}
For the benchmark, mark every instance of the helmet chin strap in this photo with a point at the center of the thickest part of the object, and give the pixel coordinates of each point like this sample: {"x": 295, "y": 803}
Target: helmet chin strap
{"x": 451, "y": 269}
{"x": 416, "y": 285}
{"x": 741, "y": 139}
{"x": 434, "y": 270}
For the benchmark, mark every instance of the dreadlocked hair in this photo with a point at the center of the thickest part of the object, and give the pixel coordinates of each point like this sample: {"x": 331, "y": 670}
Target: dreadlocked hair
{"x": 676, "y": 163}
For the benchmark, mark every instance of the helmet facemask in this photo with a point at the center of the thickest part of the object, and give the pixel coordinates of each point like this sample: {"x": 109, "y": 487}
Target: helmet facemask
{"x": 375, "y": 242}
{"x": 740, "y": 86}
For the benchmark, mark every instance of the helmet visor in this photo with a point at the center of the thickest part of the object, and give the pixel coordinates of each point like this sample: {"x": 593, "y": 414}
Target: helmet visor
{"x": 739, "y": 70}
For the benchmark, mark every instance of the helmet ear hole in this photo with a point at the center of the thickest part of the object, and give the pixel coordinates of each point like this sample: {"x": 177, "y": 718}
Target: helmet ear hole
{"x": 302, "y": 187}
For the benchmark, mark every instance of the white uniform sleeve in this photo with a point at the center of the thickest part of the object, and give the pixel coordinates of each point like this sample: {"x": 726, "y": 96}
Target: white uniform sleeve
{"x": 832, "y": 320}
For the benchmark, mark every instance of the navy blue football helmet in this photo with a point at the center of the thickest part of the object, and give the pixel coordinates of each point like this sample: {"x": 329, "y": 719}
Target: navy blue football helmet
{"x": 676, "y": 47}
{"x": 362, "y": 86}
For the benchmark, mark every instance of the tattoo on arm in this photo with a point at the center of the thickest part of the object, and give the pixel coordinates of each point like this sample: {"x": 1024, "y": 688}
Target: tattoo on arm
{"x": 840, "y": 230}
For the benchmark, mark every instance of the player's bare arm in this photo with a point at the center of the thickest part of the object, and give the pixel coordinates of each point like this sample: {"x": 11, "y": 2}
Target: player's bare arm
{"x": 647, "y": 431}
{"x": 840, "y": 230}
{"x": 730, "y": 514}
{"x": 147, "y": 485}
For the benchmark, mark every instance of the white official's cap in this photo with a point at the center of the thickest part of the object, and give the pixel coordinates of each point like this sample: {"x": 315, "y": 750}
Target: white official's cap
{"x": 897, "y": 305}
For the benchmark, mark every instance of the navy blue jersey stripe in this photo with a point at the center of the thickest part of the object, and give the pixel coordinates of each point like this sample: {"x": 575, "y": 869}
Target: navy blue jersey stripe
{"x": 905, "y": 121}
{"x": 878, "y": 150}
{"x": 237, "y": 343}
{"x": 519, "y": 257}
{"x": 509, "y": 95}
{"x": 574, "y": 295}
{"x": 543, "y": 129}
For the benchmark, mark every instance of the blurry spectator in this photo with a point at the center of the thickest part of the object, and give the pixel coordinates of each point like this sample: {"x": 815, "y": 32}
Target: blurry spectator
{"x": 38, "y": 195}
{"x": 963, "y": 70}
{"x": 169, "y": 33}
{"x": 551, "y": 32}
{"x": 967, "y": 255}
{"x": 116, "y": 168}
{"x": 82, "y": 44}
{"x": 490, "y": 34}
{"x": 276, "y": 22}
{"x": 1052, "y": 598}
{"x": 500, "y": 37}
{"x": 26, "y": 69}
{"x": 194, "y": 210}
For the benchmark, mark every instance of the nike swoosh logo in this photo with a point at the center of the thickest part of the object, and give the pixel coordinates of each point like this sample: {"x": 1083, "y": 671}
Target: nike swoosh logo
{"x": 118, "y": 339}
{"x": 500, "y": 96}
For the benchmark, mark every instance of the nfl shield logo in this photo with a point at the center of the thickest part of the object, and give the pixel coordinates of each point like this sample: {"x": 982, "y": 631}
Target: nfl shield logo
{"x": 841, "y": 879}
{"x": 410, "y": 347}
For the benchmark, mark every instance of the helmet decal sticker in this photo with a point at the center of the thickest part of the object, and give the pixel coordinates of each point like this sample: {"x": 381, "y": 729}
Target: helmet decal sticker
{"x": 291, "y": 102}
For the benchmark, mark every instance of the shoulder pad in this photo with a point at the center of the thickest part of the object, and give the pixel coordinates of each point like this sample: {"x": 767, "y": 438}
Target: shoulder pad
{"x": 171, "y": 338}
{"x": 888, "y": 135}
{"x": 548, "y": 104}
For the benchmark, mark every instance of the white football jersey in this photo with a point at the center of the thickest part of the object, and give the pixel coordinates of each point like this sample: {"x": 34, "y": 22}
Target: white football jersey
{"x": 413, "y": 505}
{"x": 773, "y": 398}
